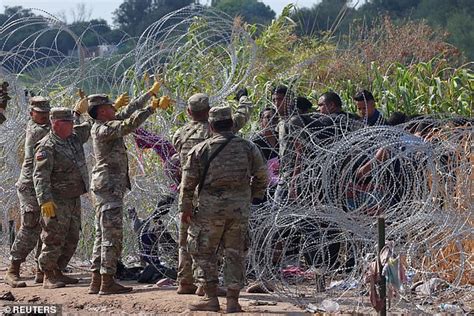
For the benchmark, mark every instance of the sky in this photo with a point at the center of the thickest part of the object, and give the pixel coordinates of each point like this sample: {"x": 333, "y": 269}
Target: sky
{"x": 104, "y": 8}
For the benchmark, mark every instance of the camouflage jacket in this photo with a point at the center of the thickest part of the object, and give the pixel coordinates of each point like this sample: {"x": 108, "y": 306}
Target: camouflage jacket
{"x": 34, "y": 133}
{"x": 235, "y": 176}
{"x": 60, "y": 169}
{"x": 110, "y": 171}
{"x": 195, "y": 132}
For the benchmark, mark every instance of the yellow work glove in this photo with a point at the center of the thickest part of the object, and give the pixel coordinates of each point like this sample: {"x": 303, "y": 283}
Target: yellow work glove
{"x": 162, "y": 103}
{"x": 121, "y": 101}
{"x": 48, "y": 209}
{"x": 81, "y": 106}
{"x": 155, "y": 88}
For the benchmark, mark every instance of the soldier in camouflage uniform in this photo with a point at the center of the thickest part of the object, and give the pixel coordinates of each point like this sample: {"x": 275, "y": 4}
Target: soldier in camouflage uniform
{"x": 185, "y": 138}
{"x": 29, "y": 234}
{"x": 235, "y": 176}
{"x": 60, "y": 178}
{"x": 4, "y": 97}
{"x": 110, "y": 180}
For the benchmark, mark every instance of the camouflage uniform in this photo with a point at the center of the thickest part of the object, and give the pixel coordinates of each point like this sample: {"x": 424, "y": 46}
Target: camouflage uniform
{"x": 110, "y": 179}
{"x": 236, "y": 175}
{"x": 60, "y": 175}
{"x": 184, "y": 140}
{"x": 28, "y": 235}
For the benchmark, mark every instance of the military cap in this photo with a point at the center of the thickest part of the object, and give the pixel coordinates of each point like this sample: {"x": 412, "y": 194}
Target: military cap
{"x": 61, "y": 113}
{"x": 198, "y": 102}
{"x": 220, "y": 113}
{"x": 95, "y": 100}
{"x": 40, "y": 104}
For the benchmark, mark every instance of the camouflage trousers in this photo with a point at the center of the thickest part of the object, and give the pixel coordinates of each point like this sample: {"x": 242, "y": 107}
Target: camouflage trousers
{"x": 60, "y": 234}
{"x": 185, "y": 262}
{"x": 205, "y": 235}
{"x": 28, "y": 236}
{"x": 108, "y": 232}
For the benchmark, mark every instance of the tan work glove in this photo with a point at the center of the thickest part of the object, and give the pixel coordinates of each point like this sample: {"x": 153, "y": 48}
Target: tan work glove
{"x": 81, "y": 106}
{"x": 121, "y": 101}
{"x": 48, "y": 209}
{"x": 155, "y": 88}
{"x": 163, "y": 103}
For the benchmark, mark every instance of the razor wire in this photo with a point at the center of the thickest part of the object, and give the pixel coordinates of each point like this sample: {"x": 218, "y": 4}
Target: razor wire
{"x": 315, "y": 244}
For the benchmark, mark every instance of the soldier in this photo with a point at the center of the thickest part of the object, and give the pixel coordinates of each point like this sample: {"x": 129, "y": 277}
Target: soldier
{"x": 185, "y": 138}
{"x": 4, "y": 97}
{"x": 29, "y": 234}
{"x": 228, "y": 173}
{"x": 60, "y": 178}
{"x": 110, "y": 180}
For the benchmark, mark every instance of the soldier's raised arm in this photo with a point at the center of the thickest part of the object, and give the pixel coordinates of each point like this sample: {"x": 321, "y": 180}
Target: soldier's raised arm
{"x": 43, "y": 167}
{"x": 242, "y": 115}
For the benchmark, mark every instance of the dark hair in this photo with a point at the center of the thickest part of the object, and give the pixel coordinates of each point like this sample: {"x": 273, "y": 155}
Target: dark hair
{"x": 397, "y": 118}
{"x": 331, "y": 96}
{"x": 222, "y": 126}
{"x": 280, "y": 90}
{"x": 265, "y": 110}
{"x": 363, "y": 95}
{"x": 303, "y": 104}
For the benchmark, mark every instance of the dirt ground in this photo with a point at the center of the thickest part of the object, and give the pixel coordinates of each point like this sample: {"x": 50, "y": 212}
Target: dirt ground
{"x": 145, "y": 299}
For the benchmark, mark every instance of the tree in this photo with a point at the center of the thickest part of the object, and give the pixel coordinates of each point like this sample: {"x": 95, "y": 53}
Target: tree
{"x": 252, "y": 11}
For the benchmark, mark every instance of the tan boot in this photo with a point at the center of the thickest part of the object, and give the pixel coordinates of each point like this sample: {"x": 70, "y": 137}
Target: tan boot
{"x": 209, "y": 302}
{"x": 184, "y": 288}
{"x": 200, "y": 291}
{"x": 233, "y": 305}
{"x": 64, "y": 278}
{"x": 221, "y": 292}
{"x": 94, "y": 287}
{"x": 12, "y": 277}
{"x": 109, "y": 286}
{"x": 50, "y": 281}
{"x": 39, "y": 277}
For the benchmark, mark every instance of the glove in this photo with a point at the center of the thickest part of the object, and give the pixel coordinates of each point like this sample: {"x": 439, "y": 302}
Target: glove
{"x": 241, "y": 93}
{"x": 162, "y": 103}
{"x": 48, "y": 209}
{"x": 121, "y": 101}
{"x": 81, "y": 106}
{"x": 155, "y": 88}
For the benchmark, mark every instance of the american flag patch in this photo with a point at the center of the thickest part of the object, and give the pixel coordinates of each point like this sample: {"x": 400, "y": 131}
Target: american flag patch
{"x": 40, "y": 155}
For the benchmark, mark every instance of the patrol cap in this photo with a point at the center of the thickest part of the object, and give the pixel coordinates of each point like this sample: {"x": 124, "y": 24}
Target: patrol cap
{"x": 61, "y": 114}
{"x": 95, "y": 100}
{"x": 39, "y": 104}
{"x": 198, "y": 102}
{"x": 220, "y": 113}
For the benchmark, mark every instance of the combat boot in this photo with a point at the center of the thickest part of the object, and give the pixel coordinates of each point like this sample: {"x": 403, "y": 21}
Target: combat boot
{"x": 184, "y": 288}
{"x": 12, "y": 277}
{"x": 109, "y": 286}
{"x": 94, "y": 287}
{"x": 233, "y": 305}
{"x": 209, "y": 302}
{"x": 39, "y": 276}
{"x": 50, "y": 280}
{"x": 64, "y": 278}
{"x": 221, "y": 292}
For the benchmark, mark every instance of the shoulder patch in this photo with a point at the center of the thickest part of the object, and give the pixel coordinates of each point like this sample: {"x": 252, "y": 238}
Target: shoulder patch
{"x": 40, "y": 155}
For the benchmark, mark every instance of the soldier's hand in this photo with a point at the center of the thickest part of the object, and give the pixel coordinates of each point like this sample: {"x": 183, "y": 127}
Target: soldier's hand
{"x": 186, "y": 217}
{"x": 165, "y": 102}
{"x": 121, "y": 101}
{"x": 81, "y": 106}
{"x": 48, "y": 209}
{"x": 155, "y": 88}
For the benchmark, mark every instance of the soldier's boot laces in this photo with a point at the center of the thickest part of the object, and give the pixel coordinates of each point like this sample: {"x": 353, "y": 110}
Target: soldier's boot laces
{"x": 39, "y": 276}
{"x": 233, "y": 305}
{"x": 109, "y": 286}
{"x": 94, "y": 287}
{"x": 12, "y": 277}
{"x": 185, "y": 288}
{"x": 50, "y": 280}
{"x": 64, "y": 278}
{"x": 208, "y": 303}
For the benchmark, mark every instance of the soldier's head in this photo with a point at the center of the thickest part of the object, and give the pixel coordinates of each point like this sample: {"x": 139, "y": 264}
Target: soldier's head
{"x": 101, "y": 107}
{"x": 198, "y": 107}
{"x": 365, "y": 103}
{"x": 329, "y": 103}
{"x": 220, "y": 119}
{"x": 39, "y": 109}
{"x": 283, "y": 100}
{"x": 61, "y": 121}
